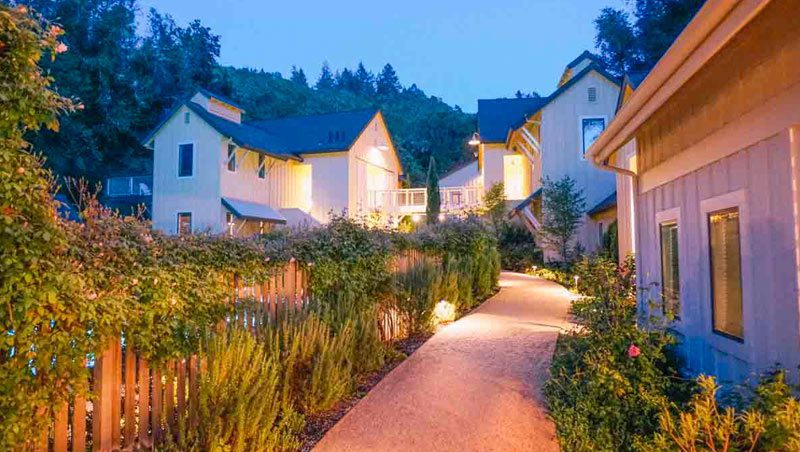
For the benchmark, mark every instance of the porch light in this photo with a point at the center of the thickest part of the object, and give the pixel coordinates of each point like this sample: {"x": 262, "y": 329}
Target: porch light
{"x": 475, "y": 140}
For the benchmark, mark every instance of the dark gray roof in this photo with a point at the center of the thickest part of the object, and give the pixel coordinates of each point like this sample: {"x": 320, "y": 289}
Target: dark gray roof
{"x": 227, "y": 100}
{"x": 525, "y": 202}
{"x": 252, "y": 211}
{"x": 496, "y": 117}
{"x": 244, "y": 135}
{"x": 586, "y": 54}
{"x": 319, "y": 133}
{"x": 607, "y": 203}
{"x": 635, "y": 78}
{"x": 283, "y": 138}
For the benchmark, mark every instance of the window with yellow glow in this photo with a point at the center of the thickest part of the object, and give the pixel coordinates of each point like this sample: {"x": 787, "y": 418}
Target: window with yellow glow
{"x": 514, "y": 176}
{"x": 303, "y": 186}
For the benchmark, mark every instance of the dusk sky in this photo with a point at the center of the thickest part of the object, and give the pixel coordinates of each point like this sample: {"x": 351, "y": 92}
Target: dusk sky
{"x": 458, "y": 50}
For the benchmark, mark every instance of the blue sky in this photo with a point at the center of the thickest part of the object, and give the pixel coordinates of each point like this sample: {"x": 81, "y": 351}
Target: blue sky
{"x": 458, "y": 50}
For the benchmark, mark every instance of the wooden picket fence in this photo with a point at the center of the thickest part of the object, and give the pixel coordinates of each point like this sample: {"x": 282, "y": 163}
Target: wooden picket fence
{"x": 135, "y": 406}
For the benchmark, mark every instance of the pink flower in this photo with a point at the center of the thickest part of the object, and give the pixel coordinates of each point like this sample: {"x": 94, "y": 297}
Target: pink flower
{"x": 633, "y": 351}
{"x": 61, "y": 47}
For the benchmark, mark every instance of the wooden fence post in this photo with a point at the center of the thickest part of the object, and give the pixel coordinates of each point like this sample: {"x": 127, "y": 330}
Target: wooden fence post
{"x": 102, "y": 406}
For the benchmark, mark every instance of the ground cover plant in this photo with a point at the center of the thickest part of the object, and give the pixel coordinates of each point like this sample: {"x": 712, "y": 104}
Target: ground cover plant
{"x": 616, "y": 383}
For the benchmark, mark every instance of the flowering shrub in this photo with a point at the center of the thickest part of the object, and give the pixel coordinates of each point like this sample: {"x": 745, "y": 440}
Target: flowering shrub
{"x": 610, "y": 378}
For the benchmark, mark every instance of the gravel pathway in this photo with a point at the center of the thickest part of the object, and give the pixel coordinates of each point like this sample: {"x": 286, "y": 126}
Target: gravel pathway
{"x": 474, "y": 386}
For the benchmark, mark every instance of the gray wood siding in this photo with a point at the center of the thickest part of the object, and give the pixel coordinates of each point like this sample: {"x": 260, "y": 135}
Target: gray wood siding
{"x": 770, "y": 300}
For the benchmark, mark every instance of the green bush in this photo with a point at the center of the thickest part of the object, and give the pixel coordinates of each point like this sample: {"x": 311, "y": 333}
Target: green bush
{"x": 517, "y": 247}
{"x": 610, "y": 378}
{"x": 417, "y": 291}
{"x": 770, "y": 421}
{"x": 240, "y": 403}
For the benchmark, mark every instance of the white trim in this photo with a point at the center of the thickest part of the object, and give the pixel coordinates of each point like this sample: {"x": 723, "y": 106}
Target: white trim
{"x": 741, "y": 349}
{"x": 582, "y": 153}
{"x": 178, "y": 160}
{"x": 672, "y": 216}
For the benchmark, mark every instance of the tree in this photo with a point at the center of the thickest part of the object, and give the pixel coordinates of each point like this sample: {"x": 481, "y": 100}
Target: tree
{"x": 365, "y": 81}
{"x": 532, "y": 95}
{"x": 434, "y": 198}
{"x": 494, "y": 204}
{"x": 637, "y": 45}
{"x": 299, "y": 76}
{"x": 325, "y": 80}
{"x": 387, "y": 83}
{"x": 346, "y": 80}
{"x": 563, "y": 206}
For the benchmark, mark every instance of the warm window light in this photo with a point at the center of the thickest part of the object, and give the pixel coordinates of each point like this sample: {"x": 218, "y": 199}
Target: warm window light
{"x": 475, "y": 140}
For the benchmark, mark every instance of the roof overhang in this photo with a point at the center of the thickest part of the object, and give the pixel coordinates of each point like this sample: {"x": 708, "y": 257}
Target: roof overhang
{"x": 253, "y": 211}
{"x": 714, "y": 25}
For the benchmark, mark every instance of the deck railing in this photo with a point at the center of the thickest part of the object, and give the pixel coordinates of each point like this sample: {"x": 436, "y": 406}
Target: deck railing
{"x": 409, "y": 201}
{"x": 129, "y": 186}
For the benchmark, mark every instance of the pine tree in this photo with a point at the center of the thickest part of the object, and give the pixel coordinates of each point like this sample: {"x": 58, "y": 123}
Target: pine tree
{"x": 326, "y": 80}
{"x": 434, "y": 198}
{"x": 365, "y": 81}
{"x": 346, "y": 80}
{"x": 299, "y": 76}
{"x": 387, "y": 83}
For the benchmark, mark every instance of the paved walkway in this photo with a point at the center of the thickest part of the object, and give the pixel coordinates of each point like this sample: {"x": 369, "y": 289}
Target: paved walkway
{"x": 474, "y": 386}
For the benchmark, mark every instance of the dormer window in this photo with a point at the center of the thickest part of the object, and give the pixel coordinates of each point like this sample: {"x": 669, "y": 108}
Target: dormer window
{"x": 592, "y": 94}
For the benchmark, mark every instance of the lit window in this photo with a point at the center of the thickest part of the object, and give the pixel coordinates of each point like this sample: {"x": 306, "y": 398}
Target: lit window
{"x": 184, "y": 223}
{"x": 591, "y": 128}
{"x": 726, "y": 272}
{"x": 592, "y": 92}
{"x": 514, "y": 176}
{"x": 262, "y": 166}
{"x": 232, "y": 158}
{"x": 185, "y": 160}
{"x": 670, "y": 273}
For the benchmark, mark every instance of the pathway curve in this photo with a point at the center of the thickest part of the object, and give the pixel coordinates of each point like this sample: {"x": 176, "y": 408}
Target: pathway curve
{"x": 474, "y": 386}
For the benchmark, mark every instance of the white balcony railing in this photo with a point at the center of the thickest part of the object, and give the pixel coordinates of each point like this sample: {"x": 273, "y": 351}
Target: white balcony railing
{"x": 129, "y": 186}
{"x": 409, "y": 201}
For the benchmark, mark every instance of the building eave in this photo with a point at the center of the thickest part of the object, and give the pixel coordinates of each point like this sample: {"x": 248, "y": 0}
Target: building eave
{"x": 714, "y": 25}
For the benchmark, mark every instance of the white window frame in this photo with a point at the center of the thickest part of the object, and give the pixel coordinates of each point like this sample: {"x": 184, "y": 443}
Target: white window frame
{"x": 672, "y": 216}
{"x": 228, "y": 157}
{"x": 581, "y": 151}
{"x": 735, "y": 199}
{"x": 194, "y": 160}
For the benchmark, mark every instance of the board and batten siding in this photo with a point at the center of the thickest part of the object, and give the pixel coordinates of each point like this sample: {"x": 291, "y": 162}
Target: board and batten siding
{"x": 373, "y": 164}
{"x": 761, "y": 176}
{"x": 172, "y": 194}
{"x": 758, "y": 64}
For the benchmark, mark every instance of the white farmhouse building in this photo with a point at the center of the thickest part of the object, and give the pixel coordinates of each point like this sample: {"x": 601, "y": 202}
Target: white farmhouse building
{"x": 213, "y": 171}
{"x": 525, "y": 140}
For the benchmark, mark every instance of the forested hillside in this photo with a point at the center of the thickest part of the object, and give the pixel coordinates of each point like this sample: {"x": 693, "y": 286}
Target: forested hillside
{"x": 125, "y": 81}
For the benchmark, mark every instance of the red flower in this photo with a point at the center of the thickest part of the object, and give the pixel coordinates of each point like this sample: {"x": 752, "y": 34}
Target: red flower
{"x": 633, "y": 351}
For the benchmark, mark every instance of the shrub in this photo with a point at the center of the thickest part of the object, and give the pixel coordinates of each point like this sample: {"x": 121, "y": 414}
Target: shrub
{"x": 770, "y": 422}
{"x": 240, "y": 407}
{"x": 518, "y": 250}
{"x": 417, "y": 291}
{"x": 610, "y": 378}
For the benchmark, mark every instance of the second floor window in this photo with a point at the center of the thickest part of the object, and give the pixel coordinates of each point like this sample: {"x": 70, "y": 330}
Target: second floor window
{"x": 591, "y": 128}
{"x": 592, "y": 94}
{"x": 262, "y": 166}
{"x": 186, "y": 160}
{"x": 232, "y": 158}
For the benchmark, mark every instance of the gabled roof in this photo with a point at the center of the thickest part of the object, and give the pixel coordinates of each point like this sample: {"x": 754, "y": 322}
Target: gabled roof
{"x": 498, "y": 117}
{"x": 584, "y": 56}
{"x": 220, "y": 98}
{"x": 608, "y": 202}
{"x": 331, "y": 132}
{"x": 282, "y": 138}
{"x": 630, "y": 80}
{"x": 245, "y": 135}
